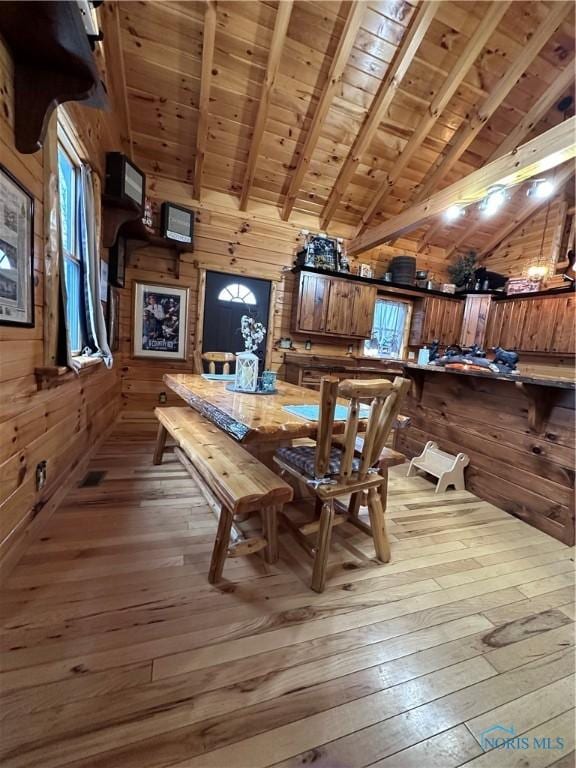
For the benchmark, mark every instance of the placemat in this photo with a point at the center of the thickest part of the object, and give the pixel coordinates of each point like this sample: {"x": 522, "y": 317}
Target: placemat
{"x": 312, "y": 412}
{"x": 219, "y": 376}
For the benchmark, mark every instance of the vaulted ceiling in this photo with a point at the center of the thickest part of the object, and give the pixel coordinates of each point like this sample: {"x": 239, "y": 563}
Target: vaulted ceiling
{"x": 348, "y": 111}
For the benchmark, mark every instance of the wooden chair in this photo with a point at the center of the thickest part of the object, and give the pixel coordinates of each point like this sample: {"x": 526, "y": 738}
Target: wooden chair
{"x": 339, "y": 467}
{"x": 219, "y": 357}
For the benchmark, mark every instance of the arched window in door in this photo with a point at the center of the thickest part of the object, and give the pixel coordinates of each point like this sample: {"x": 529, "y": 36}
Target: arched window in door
{"x": 237, "y": 293}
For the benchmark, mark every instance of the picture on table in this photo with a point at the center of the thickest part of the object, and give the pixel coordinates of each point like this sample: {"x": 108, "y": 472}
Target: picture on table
{"x": 16, "y": 252}
{"x": 160, "y": 321}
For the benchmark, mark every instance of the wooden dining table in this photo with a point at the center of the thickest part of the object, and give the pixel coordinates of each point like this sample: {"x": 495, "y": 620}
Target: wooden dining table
{"x": 258, "y": 422}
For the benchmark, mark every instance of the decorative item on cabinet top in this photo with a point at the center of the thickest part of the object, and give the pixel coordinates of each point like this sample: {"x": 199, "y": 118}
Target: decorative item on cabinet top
{"x": 322, "y": 252}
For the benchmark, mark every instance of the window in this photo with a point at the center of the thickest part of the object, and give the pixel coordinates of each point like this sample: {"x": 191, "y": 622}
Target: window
{"x": 389, "y": 329}
{"x": 68, "y": 173}
{"x": 237, "y": 293}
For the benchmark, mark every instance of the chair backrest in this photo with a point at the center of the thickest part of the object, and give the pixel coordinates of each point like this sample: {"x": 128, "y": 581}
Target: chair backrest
{"x": 386, "y": 400}
{"x": 219, "y": 357}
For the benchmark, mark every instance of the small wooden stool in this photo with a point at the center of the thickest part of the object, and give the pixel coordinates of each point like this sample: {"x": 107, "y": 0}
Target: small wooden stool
{"x": 447, "y": 468}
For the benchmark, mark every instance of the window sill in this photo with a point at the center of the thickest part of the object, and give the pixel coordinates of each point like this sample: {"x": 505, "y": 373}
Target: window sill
{"x": 52, "y": 376}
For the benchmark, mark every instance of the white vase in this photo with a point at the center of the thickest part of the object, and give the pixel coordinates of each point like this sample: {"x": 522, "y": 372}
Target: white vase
{"x": 246, "y": 372}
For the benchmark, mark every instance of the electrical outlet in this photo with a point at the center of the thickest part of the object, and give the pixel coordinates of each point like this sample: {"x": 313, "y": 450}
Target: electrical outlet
{"x": 41, "y": 474}
{"x": 162, "y": 398}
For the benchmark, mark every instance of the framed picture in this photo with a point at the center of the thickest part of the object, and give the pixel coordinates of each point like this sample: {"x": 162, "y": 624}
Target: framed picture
{"x": 176, "y": 223}
{"x": 16, "y": 252}
{"x": 117, "y": 263}
{"x": 160, "y": 321}
{"x": 113, "y": 318}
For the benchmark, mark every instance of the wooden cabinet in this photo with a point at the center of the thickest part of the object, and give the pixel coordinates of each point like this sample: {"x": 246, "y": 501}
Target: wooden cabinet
{"x": 475, "y": 320}
{"x": 311, "y": 304}
{"x": 330, "y": 306}
{"x": 541, "y": 324}
{"x": 435, "y": 317}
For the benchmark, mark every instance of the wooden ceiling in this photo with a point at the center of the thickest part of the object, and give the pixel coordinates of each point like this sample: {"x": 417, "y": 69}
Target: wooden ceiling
{"x": 348, "y": 111}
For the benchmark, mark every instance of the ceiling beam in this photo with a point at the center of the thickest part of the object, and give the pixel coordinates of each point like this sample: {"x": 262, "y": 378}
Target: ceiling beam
{"x": 529, "y": 209}
{"x": 333, "y": 81}
{"x": 276, "y": 46}
{"x": 470, "y": 129}
{"x": 546, "y": 151}
{"x": 208, "y": 42}
{"x": 530, "y": 120}
{"x": 388, "y": 87}
{"x": 438, "y": 105}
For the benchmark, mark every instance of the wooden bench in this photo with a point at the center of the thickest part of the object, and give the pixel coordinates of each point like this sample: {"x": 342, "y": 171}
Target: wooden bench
{"x": 233, "y": 481}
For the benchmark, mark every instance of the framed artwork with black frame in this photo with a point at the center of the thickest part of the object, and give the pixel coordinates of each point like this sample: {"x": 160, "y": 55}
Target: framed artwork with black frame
{"x": 16, "y": 252}
{"x": 177, "y": 223}
{"x": 160, "y": 326}
{"x": 117, "y": 263}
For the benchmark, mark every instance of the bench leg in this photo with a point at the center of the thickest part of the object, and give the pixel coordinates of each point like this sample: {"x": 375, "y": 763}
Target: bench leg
{"x": 160, "y": 444}
{"x": 323, "y": 547}
{"x": 378, "y": 525}
{"x": 220, "y": 545}
{"x": 270, "y": 529}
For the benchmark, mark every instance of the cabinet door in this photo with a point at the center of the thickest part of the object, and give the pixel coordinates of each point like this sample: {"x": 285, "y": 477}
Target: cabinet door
{"x": 350, "y": 309}
{"x": 451, "y": 321}
{"x": 474, "y": 320}
{"x": 312, "y": 303}
{"x": 563, "y": 331}
{"x": 363, "y": 310}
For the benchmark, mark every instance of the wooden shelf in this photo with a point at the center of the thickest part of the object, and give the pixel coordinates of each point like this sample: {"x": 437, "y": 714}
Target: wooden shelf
{"x": 53, "y": 63}
{"x": 116, "y": 215}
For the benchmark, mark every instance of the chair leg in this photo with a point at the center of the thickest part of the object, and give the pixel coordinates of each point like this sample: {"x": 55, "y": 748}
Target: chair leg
{"x": 220, "y": 545}
{"x": 323, "y": 547}
{"x": 270, "y": 528}
{"x": 354, "y": 504}
{"x": 377, "y": 523}
{"x": 160, "y": 444}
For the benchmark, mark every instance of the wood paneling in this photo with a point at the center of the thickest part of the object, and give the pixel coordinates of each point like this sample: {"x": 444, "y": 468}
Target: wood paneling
{"x": 57, "y": 425}
{"x": 541, "y": 324}
{"x": 227, "y": 241}
{"x": 436, "y": 318}
{"x": 474, "y": 320}
{"x": 527, "y": 474}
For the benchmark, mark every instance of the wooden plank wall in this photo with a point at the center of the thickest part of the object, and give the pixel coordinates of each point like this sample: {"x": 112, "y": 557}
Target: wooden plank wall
{"x": 527, "y": 474}
{"x": 223, "y": 240}
{"x": 58, "y": 425}
{"x": 522, "y": 249}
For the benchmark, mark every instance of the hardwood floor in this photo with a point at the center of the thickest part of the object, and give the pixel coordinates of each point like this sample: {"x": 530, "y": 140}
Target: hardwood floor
{"x": 117, "y": 653}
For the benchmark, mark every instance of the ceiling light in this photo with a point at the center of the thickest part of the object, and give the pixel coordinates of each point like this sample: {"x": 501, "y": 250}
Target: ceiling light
{"x": 541, "y": 189}
{"x": 493, "y": 201}
{"x": 454, "y": 212}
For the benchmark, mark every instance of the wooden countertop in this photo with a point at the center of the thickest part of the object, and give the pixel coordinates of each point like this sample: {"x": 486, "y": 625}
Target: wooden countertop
{"x": 544, "y": 381}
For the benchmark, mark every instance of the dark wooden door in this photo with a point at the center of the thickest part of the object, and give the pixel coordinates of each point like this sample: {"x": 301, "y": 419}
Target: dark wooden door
{"x": 227, "y": 298}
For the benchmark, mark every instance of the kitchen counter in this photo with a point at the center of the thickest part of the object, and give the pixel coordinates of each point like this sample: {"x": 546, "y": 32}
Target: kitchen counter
{"x": 307, "y": 370}
{"x": 543, "y": 381}
{"x": 518, "y": 432}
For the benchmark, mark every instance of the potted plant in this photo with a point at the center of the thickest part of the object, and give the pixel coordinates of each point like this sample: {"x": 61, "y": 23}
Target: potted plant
{"x": 462, "y": 271}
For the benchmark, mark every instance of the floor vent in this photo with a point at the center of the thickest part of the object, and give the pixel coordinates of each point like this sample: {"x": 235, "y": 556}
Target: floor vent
{"x": 91, "y": 479}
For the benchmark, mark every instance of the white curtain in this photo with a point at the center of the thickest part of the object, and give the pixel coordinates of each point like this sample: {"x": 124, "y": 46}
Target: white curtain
{"x": 89, "y": 214}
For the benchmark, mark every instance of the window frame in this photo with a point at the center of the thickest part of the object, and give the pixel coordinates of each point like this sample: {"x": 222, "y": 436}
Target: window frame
{"x": 68, "y": 148}
{"x": 407, "y": 323}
